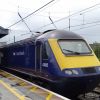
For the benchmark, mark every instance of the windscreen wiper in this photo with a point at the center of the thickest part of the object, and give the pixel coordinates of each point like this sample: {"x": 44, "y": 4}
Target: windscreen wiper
{"x": 74, "y": 52}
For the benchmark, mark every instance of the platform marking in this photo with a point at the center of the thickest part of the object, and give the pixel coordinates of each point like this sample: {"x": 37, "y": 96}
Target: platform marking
{"x": 49, "y": 96}
{"x": 21, "y": 97}
{"x": 34, "y": 88}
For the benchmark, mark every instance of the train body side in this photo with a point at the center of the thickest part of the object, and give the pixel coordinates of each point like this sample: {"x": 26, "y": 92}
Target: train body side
{"x": 26, "y": 57}
{"x": 19, "y": 56}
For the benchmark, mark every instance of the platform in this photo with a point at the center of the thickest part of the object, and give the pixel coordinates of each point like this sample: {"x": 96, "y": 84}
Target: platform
{"x": 15, "y": 88}
{"x": 3, "y": 32}
{"x": 5, "y": 93}
{"x": 9, "y": 93}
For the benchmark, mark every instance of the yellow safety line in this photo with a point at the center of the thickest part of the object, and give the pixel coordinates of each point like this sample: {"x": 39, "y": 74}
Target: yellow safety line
{"x": 33, "y": 89}
{"x": 11, "y": 78}
{"x": 49, "y": 96}
{"x": 21, "y": 97}
{"x": 22, "y": 83}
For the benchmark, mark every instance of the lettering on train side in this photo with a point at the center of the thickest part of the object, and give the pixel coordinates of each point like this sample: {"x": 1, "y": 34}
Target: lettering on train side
{"x": 21, "y": 53}
{"x": 45, "y": 64}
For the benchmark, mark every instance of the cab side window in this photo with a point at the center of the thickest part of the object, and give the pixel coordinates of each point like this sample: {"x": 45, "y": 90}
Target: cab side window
{"x": 44, "y": 51}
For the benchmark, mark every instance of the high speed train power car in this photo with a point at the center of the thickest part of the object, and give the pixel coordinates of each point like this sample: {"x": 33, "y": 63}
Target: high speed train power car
{"x": 59, "y": 58}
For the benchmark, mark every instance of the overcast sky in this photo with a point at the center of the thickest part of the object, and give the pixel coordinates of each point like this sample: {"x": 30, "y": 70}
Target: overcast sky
{"x": 85, "y": 23}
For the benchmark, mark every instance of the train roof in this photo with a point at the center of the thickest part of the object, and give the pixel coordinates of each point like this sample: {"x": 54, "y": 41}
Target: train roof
{"x": 59, "y": 34}
{"x": 49, "y": 34}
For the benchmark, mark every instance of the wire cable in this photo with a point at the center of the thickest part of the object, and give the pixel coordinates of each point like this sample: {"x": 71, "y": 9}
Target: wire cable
{"x": 86, "y": 27}
{"x": 83, "y": 24}
{"x": 32, "y": 13}
{"x": 24, "y": 22}
{"x": 69, "y": 15}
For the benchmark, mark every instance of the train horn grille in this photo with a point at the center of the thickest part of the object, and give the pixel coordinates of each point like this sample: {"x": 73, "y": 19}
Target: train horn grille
{"x": 88, "y": 70}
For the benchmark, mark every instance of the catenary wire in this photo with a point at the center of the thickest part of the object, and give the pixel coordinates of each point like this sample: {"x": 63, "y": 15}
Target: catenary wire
{"x": 83, "y": 24}
{"x": 69, "y": 16}
{"x": 86, "y": 27}
{"x": 32, "y": 13}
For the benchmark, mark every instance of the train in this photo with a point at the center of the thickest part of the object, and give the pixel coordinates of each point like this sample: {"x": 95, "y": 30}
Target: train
{"x": 62, "y": 59}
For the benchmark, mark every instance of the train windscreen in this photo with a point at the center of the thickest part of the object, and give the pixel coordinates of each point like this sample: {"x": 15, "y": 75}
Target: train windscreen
{"x": 74, "y": 47}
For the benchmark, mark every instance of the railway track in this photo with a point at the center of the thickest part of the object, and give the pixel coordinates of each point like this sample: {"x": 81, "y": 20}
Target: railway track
{"x": 93, "y": 95}
{"x": 29, "y": 90}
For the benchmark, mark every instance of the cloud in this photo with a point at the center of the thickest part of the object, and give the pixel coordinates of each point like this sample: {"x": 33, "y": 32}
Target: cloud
{"x": 56, "y": 10}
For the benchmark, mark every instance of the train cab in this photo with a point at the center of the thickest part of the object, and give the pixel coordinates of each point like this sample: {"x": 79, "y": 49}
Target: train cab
{"x": 71, "y": 62}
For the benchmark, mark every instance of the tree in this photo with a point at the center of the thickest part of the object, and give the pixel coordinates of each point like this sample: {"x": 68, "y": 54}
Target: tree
{"x": 97, "y": 51}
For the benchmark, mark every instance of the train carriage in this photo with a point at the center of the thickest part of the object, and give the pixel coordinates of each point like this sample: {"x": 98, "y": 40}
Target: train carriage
{"x": 62, "y": 59}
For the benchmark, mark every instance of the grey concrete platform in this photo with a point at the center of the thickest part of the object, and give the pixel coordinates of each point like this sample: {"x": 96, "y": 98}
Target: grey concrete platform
{"x": 5, "y": 94}
{"x": 9, "y": 93}
{"x": 10, "y": 90}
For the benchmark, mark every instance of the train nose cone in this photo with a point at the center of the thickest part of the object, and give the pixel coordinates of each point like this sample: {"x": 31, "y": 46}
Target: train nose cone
{"x": 72, "y": 87}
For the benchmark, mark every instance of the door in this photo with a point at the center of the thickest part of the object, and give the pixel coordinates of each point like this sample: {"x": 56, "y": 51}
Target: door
{"x": 38, "y": 51}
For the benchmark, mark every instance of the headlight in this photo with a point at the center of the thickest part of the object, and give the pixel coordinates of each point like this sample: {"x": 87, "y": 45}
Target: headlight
{"x": 69, "y": 72}
{"x": 98, "y": 68}
{"x": 75, "y": 72}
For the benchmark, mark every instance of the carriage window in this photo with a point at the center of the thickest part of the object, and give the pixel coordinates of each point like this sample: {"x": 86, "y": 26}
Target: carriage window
{"x": 44, "y": 54}
{"x": 74, "y": 47}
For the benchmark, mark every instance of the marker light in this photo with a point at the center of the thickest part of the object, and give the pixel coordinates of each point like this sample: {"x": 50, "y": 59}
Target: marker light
{"x": 99, "y": 68}
{"x": 69, "y": 72}
{"x": 75, "y": 72}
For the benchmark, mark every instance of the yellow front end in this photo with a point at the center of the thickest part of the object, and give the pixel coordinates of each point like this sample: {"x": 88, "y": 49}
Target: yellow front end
{"x": 76, "y": 61}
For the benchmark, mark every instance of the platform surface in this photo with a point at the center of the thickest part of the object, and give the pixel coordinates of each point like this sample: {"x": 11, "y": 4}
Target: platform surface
{"x": 6, "y": 94}
{"x": 15, "y": 88}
